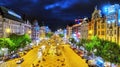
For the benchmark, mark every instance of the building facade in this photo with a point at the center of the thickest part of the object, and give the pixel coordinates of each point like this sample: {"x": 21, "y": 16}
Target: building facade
{"x": 43, "y": 31}
{"x": 112, "y": 14}
{"x": 10, "y": 22}
{"x": 76, "y": 30}
{"x": 69, "y": 31}
{"x": 107, "y": 27}
{"x": 35, "y": 31}
{"x": 97, "y": 25}
{"x": 79, "y": 30}
{"x": 84, "y": 29}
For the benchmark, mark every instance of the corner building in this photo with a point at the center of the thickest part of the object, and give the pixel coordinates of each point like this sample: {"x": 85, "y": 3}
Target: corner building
{"x": 97, "y": 25}
{"x": 112, "y": 14}
{"x": 11, "y": 22}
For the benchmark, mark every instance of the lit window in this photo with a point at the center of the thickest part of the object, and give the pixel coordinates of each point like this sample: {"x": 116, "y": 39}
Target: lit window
{"x": 102, "y": 32}
{"x": 102, "y": 26}
{"x": 115, "y": 32}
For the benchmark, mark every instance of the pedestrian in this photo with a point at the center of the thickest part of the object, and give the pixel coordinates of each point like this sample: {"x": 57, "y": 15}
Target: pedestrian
{"x": 33, "y": 65}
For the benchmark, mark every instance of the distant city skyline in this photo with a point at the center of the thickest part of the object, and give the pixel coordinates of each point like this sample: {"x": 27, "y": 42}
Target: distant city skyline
{"x": 55, "y": 14}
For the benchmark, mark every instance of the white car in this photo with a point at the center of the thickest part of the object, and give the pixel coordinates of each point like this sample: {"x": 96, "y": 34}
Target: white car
{"x": 20, "y": 61}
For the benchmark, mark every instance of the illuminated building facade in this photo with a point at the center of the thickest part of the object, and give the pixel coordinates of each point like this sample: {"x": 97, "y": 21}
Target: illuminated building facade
{"x": 10, "y": 22}
{"x": 79, "y": 30}
{"x": 35, "y": 31}
{"x": 76, "y": 30}
{"x": 69, "y": 31}
{"x": 84, "y": 29}
{"x": 107, "y": 27}
{"x": 112, "y": 13}
{"x": 27, "y": 28}
{"x": 44, "y": 30}
{"x": 97, "y": 25}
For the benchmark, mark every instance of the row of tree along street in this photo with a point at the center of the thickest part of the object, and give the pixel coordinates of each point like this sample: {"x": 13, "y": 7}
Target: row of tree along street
{"x": 14, "y": 42}
{"x": 108, "y": 50}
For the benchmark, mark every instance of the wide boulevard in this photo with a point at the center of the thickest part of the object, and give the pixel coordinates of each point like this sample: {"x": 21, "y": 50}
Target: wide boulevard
{"x": 53, "y": 52}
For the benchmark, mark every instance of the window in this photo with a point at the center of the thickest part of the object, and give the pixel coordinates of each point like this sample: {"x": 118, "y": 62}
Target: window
{"x": 115, "y": 32}
{"x": 98, "y": 32}
{"x": 102, "y": 32}
{"x": 108, "y": 25}
{"x": 107, "y": 31}
{"x": 102, "y": 26}
{"x": 115, "y": 39}
{"x": 98, "y": 26}
{"x": 110, "y": 33}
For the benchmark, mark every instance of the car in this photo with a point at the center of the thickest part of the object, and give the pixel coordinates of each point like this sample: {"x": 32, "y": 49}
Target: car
{"x": 20, "y": 61}
{"x": 14, "y": 56}
{"x": 6, "y": 58}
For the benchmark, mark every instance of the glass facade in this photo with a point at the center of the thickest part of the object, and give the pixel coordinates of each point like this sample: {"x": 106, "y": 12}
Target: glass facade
{"x": 111, "y": 12}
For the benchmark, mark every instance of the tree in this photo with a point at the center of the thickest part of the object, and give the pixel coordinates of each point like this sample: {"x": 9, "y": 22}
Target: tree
{"x": 83, "y": 42}
{"x": 108, "y": 50}
{"x": 6, "y": 43}
{"x": 61, "y": 35}
{"x": 92, "y": 44}
{"x": 72, "y": 40}
{"x": 26, "y": 40}
{"x": 20, "y": 40}
{"x": 49, "y": 34}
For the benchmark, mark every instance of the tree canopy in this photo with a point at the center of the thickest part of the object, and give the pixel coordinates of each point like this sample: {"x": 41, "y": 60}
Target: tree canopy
{"x": 20, "y": 40}
{"x": 61, "y": 35}
{"x": 6, "y": 43}
{"x": 49, "y": 34}
{"x": 109, "y": 51}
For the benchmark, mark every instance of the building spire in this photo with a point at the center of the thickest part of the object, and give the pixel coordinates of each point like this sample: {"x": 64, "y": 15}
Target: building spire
{"x": 96, "y": 7}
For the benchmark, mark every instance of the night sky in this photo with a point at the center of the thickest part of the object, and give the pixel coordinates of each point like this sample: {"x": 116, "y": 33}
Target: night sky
{"x": 55, "y": 13}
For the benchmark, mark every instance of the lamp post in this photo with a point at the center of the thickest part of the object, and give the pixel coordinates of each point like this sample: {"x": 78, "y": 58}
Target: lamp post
{"x": 7, "y": 30}
{"x": 29, "y": 32}
{"x": 5, "y": 50}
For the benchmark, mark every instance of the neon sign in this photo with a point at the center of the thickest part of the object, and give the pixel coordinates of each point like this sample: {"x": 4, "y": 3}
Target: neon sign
{"x": 14, "y": 14}
{"x": 110, "y": 8}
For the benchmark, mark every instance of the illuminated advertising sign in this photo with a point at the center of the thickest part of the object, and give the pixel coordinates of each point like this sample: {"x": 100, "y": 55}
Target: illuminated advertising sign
{"x": 108, "y": 9}
{"x": 14, "y": 14}
{"x": 111, "y": 9}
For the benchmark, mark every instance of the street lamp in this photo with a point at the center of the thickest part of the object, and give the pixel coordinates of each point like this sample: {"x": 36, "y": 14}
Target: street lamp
{"x": 90, "y": 32}
{"x": 29, "y": 32}
{"x": 8, "y": 30}
{"x": 5, "y": 50}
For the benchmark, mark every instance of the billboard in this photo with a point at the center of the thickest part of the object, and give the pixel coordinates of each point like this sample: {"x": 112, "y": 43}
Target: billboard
{"x": 14, "y": 14}
{"x": 111, "y": 12}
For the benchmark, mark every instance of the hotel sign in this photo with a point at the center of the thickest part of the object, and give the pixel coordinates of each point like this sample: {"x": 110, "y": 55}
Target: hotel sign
{"x": 14, "y": 14}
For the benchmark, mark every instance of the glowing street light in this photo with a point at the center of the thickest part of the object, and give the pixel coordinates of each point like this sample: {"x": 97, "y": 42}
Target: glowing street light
{"x": 90, "y": 32}
{"x": 29, "y": 32}
{"x": 8, "y": 30}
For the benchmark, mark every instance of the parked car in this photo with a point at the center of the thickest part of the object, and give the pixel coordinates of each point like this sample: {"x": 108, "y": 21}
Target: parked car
{"x": 14, "y": 56}
{"x": 6, "y": 58}
{"x": 20, "y": 61}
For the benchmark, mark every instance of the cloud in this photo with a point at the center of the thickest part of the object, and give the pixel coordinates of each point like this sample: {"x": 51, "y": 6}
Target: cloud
{"x": 64, "y": 4}
{"x": 1, "y": 4}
